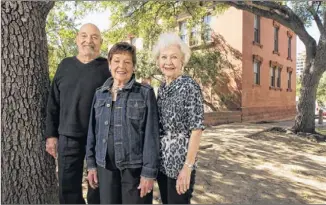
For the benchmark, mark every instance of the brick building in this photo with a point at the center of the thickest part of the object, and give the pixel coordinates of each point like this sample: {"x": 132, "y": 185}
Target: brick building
{"x": 259, "y": 81}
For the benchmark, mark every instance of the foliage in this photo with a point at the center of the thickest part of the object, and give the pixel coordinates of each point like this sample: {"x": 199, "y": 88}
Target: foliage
{"x": 146, "y": 66}
{"x": 321, "y": 91}
{"x": 301, "y": 8}
{"x": 205, "y": 65}
{"x": 147, "y": 19}
{"x": 298, "y": 86}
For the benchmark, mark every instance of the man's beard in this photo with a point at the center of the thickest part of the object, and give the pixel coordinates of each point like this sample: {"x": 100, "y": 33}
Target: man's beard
{"x": 88, "y": 51}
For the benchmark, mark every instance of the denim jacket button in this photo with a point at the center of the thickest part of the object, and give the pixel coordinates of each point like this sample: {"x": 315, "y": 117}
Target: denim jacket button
{"x": 104, "y": 140}
{"x": 108, "y": 105}
{"x": 106, "y": 122}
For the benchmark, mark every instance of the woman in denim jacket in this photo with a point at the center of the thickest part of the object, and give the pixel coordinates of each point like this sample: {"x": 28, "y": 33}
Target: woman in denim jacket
{"x": 123, "y": 135}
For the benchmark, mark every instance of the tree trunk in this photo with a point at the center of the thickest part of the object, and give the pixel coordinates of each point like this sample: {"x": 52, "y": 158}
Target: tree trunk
{"x": 28, "y": 172}
{"x": 315, "y": 67}
{"x": 305, "y": 118}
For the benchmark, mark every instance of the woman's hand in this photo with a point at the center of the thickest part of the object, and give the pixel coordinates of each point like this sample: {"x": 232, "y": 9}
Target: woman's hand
{"x": 183, "y": 180}
{"x": 92, "y": 178}
{"x": 145, "y": 186}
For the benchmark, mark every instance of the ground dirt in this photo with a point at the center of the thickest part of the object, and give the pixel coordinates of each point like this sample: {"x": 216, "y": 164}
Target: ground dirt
{"x": 247, "y": 166}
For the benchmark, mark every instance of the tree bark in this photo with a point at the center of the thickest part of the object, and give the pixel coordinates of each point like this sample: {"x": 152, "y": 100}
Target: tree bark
{"x": 315, "y": 67}
{"x": 28, "y": 172}
{"x": 305, "y": 118}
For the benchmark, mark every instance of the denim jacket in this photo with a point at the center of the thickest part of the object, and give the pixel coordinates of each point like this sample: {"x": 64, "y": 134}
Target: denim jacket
{"x": 136, "y": 128}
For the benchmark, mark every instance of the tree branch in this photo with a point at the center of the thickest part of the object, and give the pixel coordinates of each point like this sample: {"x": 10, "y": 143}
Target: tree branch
{"x": 210, "y": 105}
{"x": 282, "y": 14}
{"x": 314, "y": 14}
{"x": 188, "y": 9}
{"x": 136, "y": 10}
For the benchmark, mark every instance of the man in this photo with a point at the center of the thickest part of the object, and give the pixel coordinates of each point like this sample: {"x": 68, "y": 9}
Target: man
{"x": 68, "y": 111}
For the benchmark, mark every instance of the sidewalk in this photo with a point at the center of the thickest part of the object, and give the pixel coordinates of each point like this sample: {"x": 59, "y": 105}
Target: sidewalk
{"x": 238, "y": 168}
{"x": 290, "y": 123}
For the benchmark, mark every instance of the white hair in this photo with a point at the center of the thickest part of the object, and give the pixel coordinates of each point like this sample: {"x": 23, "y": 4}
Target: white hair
{"x": 168, "y": 39}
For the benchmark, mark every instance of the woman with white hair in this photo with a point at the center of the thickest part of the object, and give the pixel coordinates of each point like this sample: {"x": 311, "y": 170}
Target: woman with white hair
{"x": 181, "y": 116}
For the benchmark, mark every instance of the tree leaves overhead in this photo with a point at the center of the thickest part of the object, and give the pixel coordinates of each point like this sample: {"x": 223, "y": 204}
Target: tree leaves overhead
{"x": 147, "y": 19}
{"x": 304, "y": 8}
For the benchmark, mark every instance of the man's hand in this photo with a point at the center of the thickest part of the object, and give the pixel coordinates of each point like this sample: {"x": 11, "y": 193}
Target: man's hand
{"x": 92, "y": 178}
{"x": 145, "y": 186}
{"x": 51, "y": 146}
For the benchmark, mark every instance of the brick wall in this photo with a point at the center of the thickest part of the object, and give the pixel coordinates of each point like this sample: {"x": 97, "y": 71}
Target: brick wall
{"x": 262, "y": 95}
{"x": 256, "y": 114}
{"x": 253, "y": 114}
{"x": 222, "y": 117}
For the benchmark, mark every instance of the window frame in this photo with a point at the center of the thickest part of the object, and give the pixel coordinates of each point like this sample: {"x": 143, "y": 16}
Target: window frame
{"x": 257, "y": 74}
{"x": 272, "y": 75}
{"x": 257, "y": 29}
{"x": 183, "y": 31}
{"x": 193, "y": 39}
{"x": 289, "y": 47}
{"x": 276, "y": 39}
{"x": 279, "y": 77}
{"x": 207, "y": 30}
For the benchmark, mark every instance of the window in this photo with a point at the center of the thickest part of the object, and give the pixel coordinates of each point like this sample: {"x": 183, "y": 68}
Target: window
{"x": 275, "y": 79}
{"x": 257, "y": 29}
{"x": 276, "y": 29}
{"x": 183, "y": 31}
{"x": 289, "y": 46}
{"x": 257, "y": 72}
{"x": 194, "y": 36}
{"x": 272, "y": 74}
{"x": 207, "y": 28}
{"x": 289, "y": 79}
{"x": 278, "y": 78}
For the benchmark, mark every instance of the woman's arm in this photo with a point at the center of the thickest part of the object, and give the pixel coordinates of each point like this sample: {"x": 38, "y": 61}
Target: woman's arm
{"x": 193, "y": 147}
{"x": 151, "y": 146}
{"x": 194, "y": 110}
{"x": 151, "y": 138}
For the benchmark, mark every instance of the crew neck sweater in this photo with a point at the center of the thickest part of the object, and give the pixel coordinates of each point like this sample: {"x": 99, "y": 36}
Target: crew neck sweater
{"x": 71, "y": 94}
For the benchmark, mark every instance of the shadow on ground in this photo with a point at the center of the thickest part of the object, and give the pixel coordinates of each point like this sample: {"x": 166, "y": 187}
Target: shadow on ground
{"x": 269, "y": 167}
{"x": 247, "y": 166}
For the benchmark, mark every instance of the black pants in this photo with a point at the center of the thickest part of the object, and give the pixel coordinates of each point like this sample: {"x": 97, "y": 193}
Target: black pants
{"x": 120, "y": 187}
{"x": 71, "y": 154}
{"x": 169, "y": 194}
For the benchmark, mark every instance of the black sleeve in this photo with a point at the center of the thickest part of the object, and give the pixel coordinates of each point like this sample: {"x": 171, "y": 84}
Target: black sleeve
{"x": 91, "y": 139}
{"x": 53, "y": 108}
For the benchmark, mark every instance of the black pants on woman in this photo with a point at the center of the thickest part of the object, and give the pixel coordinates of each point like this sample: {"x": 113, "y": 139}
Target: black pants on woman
{"x": 120, "y": 187}
{"x": 169, "y": 194}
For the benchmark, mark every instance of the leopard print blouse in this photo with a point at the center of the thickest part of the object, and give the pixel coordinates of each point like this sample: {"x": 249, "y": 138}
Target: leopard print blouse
{"x": 181, "y": 110}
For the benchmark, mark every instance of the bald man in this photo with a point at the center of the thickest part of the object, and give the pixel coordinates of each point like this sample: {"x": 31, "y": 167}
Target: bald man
{"x": 68, "y": 111}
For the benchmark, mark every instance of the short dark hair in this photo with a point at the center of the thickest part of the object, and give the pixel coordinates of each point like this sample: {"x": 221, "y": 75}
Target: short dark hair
{"x": 123, "y": 47}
